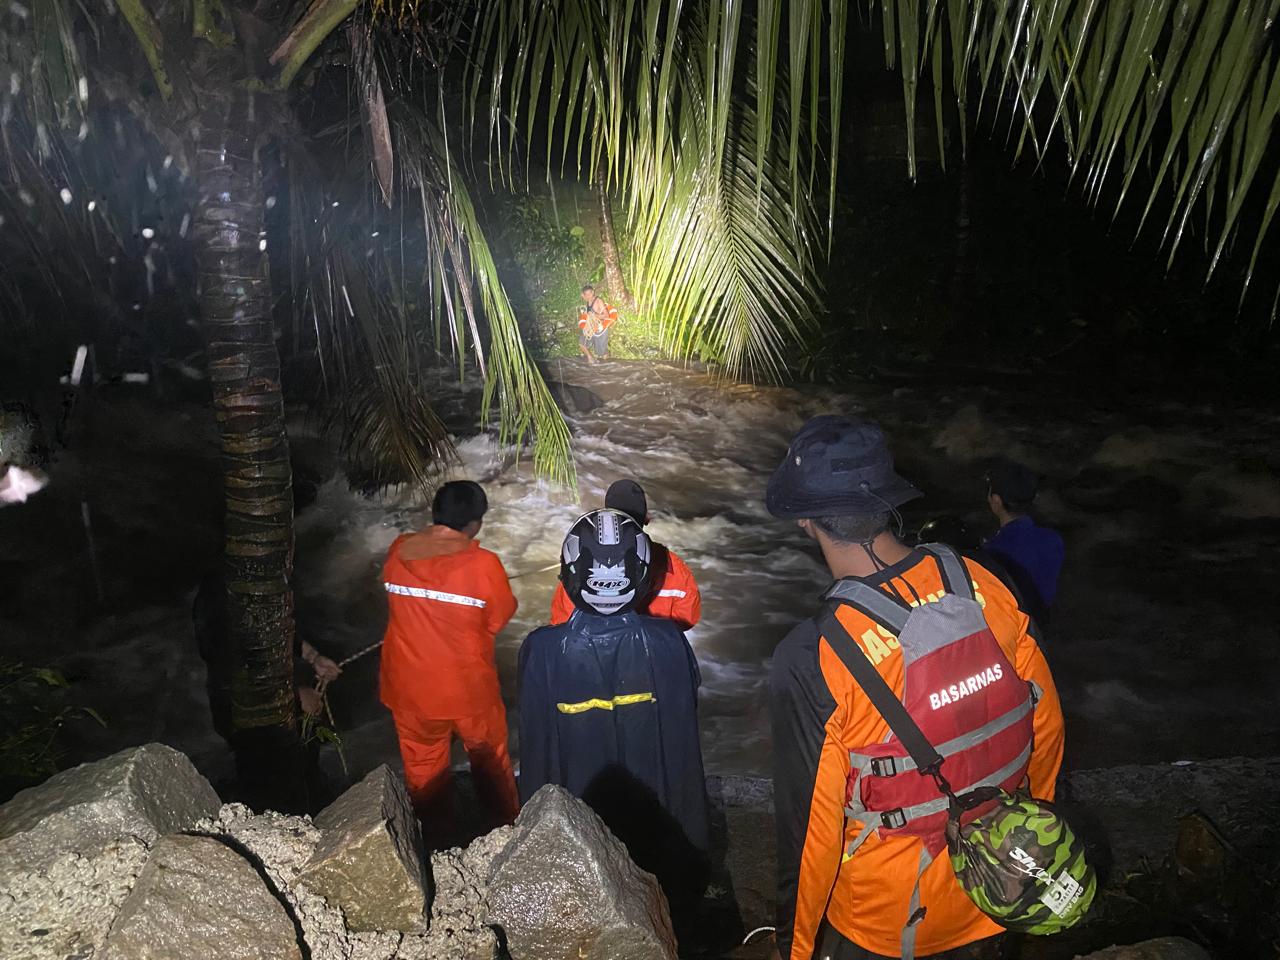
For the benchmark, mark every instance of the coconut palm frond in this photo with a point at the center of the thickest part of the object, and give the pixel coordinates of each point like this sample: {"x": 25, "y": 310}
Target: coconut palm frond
{"x": 467, "y": 297}
{"x": 1166, "y": 106}
{"x": 707, "y": 128}
{"x": 362, "y": 334}
{"x": 723, "y": 254}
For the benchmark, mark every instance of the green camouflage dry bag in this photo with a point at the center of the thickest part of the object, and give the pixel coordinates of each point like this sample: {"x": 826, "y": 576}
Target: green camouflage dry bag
{"x": 1022, "y": 865}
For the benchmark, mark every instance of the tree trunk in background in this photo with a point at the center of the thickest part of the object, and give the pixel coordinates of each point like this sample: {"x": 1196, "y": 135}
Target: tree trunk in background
{"x": 613, "y": 277}
{"x": 244, "y": 370}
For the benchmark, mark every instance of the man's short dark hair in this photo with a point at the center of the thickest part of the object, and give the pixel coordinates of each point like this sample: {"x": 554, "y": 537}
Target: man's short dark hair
{"x": 859, "y": 528}
{"x": 459, "y": 503}
{"x": 1015, "y": 485}
{"x": 588, "y": 286}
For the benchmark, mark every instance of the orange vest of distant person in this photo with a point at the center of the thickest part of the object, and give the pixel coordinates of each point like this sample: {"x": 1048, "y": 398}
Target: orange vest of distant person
{"x": 675, "y": 596}
{"x": 445, "y": 609}
{"x": 591, "y": 323}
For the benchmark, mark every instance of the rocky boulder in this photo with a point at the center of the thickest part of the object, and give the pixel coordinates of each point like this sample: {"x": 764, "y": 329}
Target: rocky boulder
{"x": 136, "y": 794}
{"x": 196, "y": 897}
{"x": 564, "y": 888}
{"x": 369, "y": 859}
{"x": 1165, "y": 948}
{"x": 574, "y": 399}
{"x": 71, "y": 848}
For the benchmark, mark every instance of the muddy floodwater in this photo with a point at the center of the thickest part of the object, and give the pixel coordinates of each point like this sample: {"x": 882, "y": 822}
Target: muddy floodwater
{"x": 1164, "y": 640}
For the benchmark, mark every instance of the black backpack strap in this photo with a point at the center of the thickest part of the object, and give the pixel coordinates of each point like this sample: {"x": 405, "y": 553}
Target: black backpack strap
{"x": 886, "y": 609}
{"x": 955, "y": 576}
{"x": 882, "y": 697}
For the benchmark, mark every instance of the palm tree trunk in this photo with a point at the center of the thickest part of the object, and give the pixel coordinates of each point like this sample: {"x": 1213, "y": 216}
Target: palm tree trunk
{"x": 244, "y": 370}
{"x": 613, "y": 277}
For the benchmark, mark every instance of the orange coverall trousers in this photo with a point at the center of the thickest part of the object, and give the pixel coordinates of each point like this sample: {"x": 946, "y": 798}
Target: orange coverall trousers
{"x": 425, "y": 745}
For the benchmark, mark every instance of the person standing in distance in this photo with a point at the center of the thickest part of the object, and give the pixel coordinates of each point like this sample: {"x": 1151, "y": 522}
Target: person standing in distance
{"x": 447, "y": 598}
{"x": 1031, "y": 553}
{"x": 594, "y": 320}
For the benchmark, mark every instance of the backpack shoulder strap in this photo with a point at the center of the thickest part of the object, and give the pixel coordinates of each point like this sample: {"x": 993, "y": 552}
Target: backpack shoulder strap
{"x": 878, "y": 692}
{"x": 888, "y": 610}
{"x": 955, "y": 576}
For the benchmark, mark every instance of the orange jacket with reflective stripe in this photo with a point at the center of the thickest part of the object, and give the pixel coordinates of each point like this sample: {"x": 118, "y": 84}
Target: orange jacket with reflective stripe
{"x": 819, "y": 714}
{"x": 445, "y": 608}
{"x": 676, "y": 597}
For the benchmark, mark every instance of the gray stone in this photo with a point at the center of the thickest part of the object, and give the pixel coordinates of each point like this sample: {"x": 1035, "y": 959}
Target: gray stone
{"x": 1139, "y": 808}
{"x": 66, "y": 909}
{"x": 1165, "y": 948}
{"x": 574, "y": 399}
{"x": 197, "y": 897}
{"x": 369, "y": 859}
{"x": 138, "y": 793}
{"x": 564, "y": 888}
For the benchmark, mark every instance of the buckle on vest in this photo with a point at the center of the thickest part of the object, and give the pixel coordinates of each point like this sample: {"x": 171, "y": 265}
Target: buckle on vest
{"x": 884, "y": 766}
{"x": 893, "y": 819}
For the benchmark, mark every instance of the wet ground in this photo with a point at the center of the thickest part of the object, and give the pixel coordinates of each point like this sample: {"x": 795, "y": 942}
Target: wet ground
{"x": 1164, "y": 641}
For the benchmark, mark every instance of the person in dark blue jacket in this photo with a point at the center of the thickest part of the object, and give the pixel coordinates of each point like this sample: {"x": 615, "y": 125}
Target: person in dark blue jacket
{"x": 609, "y": 707}
{"x": 1031, "y": 553}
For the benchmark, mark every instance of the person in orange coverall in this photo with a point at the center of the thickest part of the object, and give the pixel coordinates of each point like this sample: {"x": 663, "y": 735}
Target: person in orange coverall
{"x": 675, "y": 595}
{"x": 448, "y": 598}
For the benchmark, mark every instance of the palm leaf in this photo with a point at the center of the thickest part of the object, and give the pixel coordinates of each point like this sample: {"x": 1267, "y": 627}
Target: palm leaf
{"x": 681, "y": 116}
{"x": 1176, "y": 93}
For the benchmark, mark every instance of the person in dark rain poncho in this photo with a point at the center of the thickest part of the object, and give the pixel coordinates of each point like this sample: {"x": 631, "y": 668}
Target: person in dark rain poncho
{"x": 608, "y": 706}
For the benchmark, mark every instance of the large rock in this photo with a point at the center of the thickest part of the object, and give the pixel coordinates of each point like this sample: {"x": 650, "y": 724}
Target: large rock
{"x": 71, "y": 848}
{"x": 369, "y": 859}
{"x": 574, "y": 399}
{"x": 1165, "y": 948}
{"x": 136, "y": 794}
{"x": 197, "y": 897}
{"x": 564, "y": 888}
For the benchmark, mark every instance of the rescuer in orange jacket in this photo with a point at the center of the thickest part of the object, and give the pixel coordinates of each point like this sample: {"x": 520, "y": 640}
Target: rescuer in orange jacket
{"x": 594, "y": 321}
{"x": 447, "y": 599}
{"x": 675, "y": 594}
{"x": 838, "y": 482}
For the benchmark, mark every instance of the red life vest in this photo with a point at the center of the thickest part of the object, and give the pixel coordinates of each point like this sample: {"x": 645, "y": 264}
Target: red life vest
{"x": 961, "y": 691}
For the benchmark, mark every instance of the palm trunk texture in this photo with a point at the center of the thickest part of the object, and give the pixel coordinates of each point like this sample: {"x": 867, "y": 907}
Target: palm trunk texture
{"x": 244, "y": 370}
{"x": 613, "y": 277}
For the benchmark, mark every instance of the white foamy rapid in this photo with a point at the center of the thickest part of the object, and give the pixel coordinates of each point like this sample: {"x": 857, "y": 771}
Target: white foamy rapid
{"x": 703, "y": 451}
{"x": 682, "y": 437}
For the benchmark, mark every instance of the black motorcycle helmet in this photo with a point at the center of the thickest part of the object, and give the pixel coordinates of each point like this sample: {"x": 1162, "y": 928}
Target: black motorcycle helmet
{"x": 606, "y": 563}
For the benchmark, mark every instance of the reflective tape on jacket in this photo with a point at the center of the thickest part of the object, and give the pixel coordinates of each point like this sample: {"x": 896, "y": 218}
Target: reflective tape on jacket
{"x": 896, "y": 765}
{"x": 671, "y": 593}
{"x": 423, "y": 594}
{"x": 623, "y": 700}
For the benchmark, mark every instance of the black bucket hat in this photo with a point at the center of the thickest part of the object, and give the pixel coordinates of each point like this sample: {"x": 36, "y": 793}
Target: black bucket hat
{"x": 836, "y": 467}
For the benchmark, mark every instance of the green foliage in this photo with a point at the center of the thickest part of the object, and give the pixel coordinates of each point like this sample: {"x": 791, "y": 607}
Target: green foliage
{"x": 316, "y": 730}
{"x": 34, "y": 709}
{"x": 540, "y": 244}
{"x": 653, "y": 99}
{"x": 1176, "y": 97}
